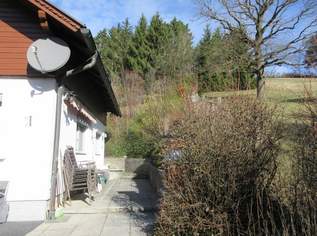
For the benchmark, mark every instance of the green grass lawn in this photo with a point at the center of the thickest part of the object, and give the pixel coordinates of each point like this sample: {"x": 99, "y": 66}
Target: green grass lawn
{"x": 287, "y": 93}
{"x": 290, "y": 93}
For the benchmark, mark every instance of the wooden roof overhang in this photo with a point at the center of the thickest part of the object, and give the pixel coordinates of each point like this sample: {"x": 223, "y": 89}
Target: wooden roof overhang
{"x": 57, "y": 14}
{"x": 92, "y": 87}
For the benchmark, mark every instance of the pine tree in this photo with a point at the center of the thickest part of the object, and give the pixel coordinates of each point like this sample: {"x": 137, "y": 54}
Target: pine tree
{"x": 223, "y": 62}
{"x": 102, "y": 41}
{"x": 157, "y": 38}
{"x": 125, "y": 42}
{"x": 179, "y": 57}
{"x": 154, "y": 51}
{"x": 115, "y": 46}
{"x": 140, "y": 52}
{"x": 202, "y": 59}
{"x": 203, "y": 45}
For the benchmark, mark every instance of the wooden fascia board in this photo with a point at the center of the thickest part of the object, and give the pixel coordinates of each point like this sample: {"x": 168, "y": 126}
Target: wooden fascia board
{"x": 43, "y": 20}
{"x": 56, "y": 14}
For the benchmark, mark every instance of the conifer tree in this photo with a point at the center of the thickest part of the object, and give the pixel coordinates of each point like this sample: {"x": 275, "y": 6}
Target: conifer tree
{"x": 223, "y": 61}
{"x": 140, "y": 52}
{"x": 204, "y": 59}
{"x": 125, "y": 44}
{"x": 103, "y": 41}
{"x": 201, "y": 55}
{"x": 115, "y": 47}
{"x": 157, "y": 38}
{"x": 179, "y": 53}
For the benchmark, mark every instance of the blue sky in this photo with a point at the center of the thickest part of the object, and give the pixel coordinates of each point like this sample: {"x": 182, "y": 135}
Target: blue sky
{"x": 100, "y": 14}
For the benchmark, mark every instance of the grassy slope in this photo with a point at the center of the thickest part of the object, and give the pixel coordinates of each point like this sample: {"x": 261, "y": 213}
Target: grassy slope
{"x": 288, "y": 94}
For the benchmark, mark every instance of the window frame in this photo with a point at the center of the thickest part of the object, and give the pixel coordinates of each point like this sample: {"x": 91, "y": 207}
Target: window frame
{"x": 81, "y": 139}
{"x": 98, "y": 143}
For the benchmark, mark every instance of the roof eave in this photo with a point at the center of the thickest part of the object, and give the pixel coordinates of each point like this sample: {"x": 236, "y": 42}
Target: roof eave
{"x": 57, "y": 14}
{"x": 75, "y": 26}
{"x": 104, "y": 75}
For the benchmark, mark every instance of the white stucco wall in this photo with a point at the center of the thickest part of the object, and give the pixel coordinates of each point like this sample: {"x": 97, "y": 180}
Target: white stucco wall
{"x": 93, "y": 149}
{"x": 27, "y": 123}
{"x": 27, "y": 118}
{"x": 68, "y": 138}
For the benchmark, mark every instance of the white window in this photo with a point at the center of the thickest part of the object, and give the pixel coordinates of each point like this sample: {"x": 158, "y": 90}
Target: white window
{"x": 80, "y": 138}
{"x": 98, "y": 143}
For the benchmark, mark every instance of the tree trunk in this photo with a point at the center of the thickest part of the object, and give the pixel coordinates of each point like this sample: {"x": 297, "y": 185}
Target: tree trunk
{"x": 260, "y": 85}
{"x": 259, "y": 57}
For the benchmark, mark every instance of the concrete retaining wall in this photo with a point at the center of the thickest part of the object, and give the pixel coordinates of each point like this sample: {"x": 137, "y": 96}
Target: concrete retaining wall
{"x": 144, "y": 169}
{"x": 140, "y": 167}
{"x": 115, "y": 163}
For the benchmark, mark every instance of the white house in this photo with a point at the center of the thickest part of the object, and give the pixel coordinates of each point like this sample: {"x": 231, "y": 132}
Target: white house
{"x": 42, "y": 113}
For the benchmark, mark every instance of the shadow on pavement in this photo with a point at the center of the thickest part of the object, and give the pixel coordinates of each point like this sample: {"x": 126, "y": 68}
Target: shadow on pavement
{"x": 18, "y": 228}
{"x": 140, "y": 201}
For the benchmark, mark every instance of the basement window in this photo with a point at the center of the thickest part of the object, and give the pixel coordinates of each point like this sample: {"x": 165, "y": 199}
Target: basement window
{"x": 80, "y": 138}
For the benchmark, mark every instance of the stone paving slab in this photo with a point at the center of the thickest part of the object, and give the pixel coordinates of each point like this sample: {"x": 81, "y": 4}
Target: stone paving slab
{"x": 126, "y": 207}
{"x": 111, "y": 224}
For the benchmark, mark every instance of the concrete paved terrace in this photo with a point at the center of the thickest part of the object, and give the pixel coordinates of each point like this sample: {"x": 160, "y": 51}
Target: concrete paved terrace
{"x": 126, "y": 207}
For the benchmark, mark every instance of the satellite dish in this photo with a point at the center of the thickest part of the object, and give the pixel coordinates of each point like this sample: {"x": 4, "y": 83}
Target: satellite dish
{"x": 48, "y": 55}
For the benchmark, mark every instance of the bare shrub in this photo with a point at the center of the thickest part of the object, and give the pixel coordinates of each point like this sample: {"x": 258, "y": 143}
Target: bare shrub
{"x": 131, "y": 94}
{"x": 221, "y": 185}
{"x": 150, "y": 125}
{"x": 146, "y": 117}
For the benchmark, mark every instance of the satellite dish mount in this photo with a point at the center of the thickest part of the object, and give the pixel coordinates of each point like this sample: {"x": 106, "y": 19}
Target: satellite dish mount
{"x": 48, "y": 55}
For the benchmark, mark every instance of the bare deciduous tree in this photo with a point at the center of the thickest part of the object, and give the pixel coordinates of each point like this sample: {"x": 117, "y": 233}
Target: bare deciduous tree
{"x": 275, "y": 29}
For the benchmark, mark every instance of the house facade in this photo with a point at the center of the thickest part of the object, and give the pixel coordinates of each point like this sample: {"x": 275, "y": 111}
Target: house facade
{"x": 43, "y": 113}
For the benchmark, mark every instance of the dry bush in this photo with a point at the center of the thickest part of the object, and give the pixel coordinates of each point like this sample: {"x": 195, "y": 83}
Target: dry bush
{"x": 145, "y": 117}
{"x": 150, "y": 125}
{"x": 130, "y": 93}
{"x": 222, "y": 184}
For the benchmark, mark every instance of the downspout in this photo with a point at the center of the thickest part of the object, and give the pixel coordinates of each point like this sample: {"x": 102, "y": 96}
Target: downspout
{"x": 58, "y": 113}
{"x": 91, "y": 62}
